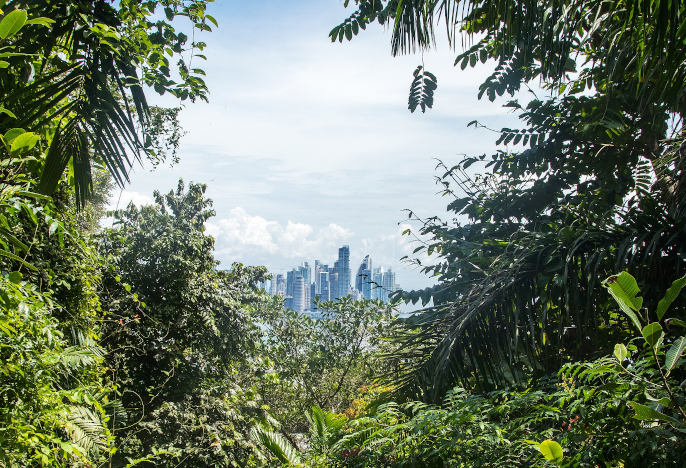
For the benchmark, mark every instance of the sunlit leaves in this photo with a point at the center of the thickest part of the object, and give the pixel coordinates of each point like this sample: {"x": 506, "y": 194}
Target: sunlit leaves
{"x": 624, "y": 290}
{"x": 12, "y": 23}
{"x": 551, "y": 450}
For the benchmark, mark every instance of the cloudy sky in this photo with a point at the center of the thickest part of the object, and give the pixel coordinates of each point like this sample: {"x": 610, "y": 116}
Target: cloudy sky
{"x": 307, "y": 145}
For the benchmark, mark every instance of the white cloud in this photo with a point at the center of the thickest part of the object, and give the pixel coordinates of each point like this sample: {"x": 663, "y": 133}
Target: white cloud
{"x": 255, "y": 240}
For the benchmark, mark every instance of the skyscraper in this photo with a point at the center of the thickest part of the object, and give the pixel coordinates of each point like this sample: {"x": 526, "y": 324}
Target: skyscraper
{"x": 318, "y": 268}
{"x": 280, "y": 285}
{"x": 333, "y": 281}
{"x": 306, "y": 274}
{"x": 343, "y": 271}
{"x": 388, "y": 284}
{"x": 313, "y": 294}
{"x": 377, "y": 283}
{"x": 290, "y": 282}
{"x": 299, "y": 293}
{"x": 324, "y": 288}
{"x": 363, "y": 279}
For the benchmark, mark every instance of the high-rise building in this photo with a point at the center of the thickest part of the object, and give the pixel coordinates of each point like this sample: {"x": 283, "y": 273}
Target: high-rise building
{"x": 318, "y": 268}
{"x": 333, "y": 281}
{"x": 377, "y": 280}
{"x": 290, "y": 282}
{"x": 389, "y": 285}
{"x": 363, "y": 279}
{"x": 280, "y": 285}
{"x": 343, "y": 271}
{"x": 313, "y": 294}
{"x": 306, "y": 274}
{"x": 324, "y": 286}
{"x": 299, "y": 293}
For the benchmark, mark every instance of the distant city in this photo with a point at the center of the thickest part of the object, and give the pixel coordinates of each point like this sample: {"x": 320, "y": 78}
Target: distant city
{"x": 299, "y": 287}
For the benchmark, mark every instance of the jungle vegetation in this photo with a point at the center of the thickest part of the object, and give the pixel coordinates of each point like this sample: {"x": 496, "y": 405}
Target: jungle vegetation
{"x": 554, "y": 335}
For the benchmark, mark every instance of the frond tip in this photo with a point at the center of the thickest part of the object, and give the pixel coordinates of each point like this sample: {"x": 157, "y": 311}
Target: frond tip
{"x": 422, "y": 90}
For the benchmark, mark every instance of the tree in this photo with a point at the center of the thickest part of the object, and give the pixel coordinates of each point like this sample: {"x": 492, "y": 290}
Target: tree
{"x": 597, "y": 190}
{"x": 322, "y": 362}
{"x": 74, "y": 75}
{"x": 177, "y": 333}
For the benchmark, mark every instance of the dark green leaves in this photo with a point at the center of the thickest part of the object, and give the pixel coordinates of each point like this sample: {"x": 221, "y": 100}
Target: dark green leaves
{"x": 422, "y": 90}
{"x": 645, "y": 413}
{"x": 674, "y": 353}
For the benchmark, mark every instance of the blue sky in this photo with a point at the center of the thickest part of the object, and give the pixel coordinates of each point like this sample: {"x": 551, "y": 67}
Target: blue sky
{"x": 307, "y": 145}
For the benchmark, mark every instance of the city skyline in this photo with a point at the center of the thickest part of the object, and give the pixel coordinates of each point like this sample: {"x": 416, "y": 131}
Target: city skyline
{"x": 300, "y": 285}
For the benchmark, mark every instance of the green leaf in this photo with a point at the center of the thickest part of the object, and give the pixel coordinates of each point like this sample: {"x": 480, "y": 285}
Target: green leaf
{"x": 214, "y": 21}
{"x": 621, "y": 352}
{"x": 7, "y": 254}
{"x": 674, "y": 353}
{"x": 16, "y": 277}
{"x": 41, "y": 20}
{"x": 12, "y": 23}
{"x": 673, "y": 321}
{"x": 24, "y": 142}
{"x": 12, "y": 134}
{"x": 551, "y": 450}
{"x": 623, "y": 288}
{"x": 653, "y": 334}
{"x": 644, "y": 413}
{"x": 671, "y": 294}
{"x": 5, "y": 111}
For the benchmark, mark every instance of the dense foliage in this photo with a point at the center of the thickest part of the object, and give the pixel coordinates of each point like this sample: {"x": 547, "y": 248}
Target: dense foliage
{"x": 590, "y": 186}
{"x": 176, "y": 330}
{"x": 322, "y": 362}
{"x": 554, "y": 335}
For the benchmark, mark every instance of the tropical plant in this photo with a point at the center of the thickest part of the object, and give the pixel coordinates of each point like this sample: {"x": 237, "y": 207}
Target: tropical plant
{"x": 324, "y": 433}
{"x": 662, "y": 380}
{"x": 178, "y": 335}
{"x": 79, "y": 87}
{"x": 594, "y": 190}
{"x": 53, "y": 406}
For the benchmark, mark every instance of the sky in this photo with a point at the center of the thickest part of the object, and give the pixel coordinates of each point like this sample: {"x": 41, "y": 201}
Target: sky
{"x": 307, "y": 145}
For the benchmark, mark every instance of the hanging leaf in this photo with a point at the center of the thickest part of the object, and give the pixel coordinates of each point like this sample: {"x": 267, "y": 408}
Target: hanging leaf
{"x": 674, "y": 353}
{"x": 422, "y": 90}
{"x": 621, "y": 352}
{"x": 670, "y": 296}
{"x": 623, "y": 288}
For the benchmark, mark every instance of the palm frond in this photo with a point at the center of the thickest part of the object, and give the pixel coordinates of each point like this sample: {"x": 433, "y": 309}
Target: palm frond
{"x": 277, "y": 445}
{"x": 86, "y": 430}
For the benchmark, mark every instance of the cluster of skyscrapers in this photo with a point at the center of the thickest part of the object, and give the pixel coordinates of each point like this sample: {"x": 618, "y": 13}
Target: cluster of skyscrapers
{"x": 300, "y": 286}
